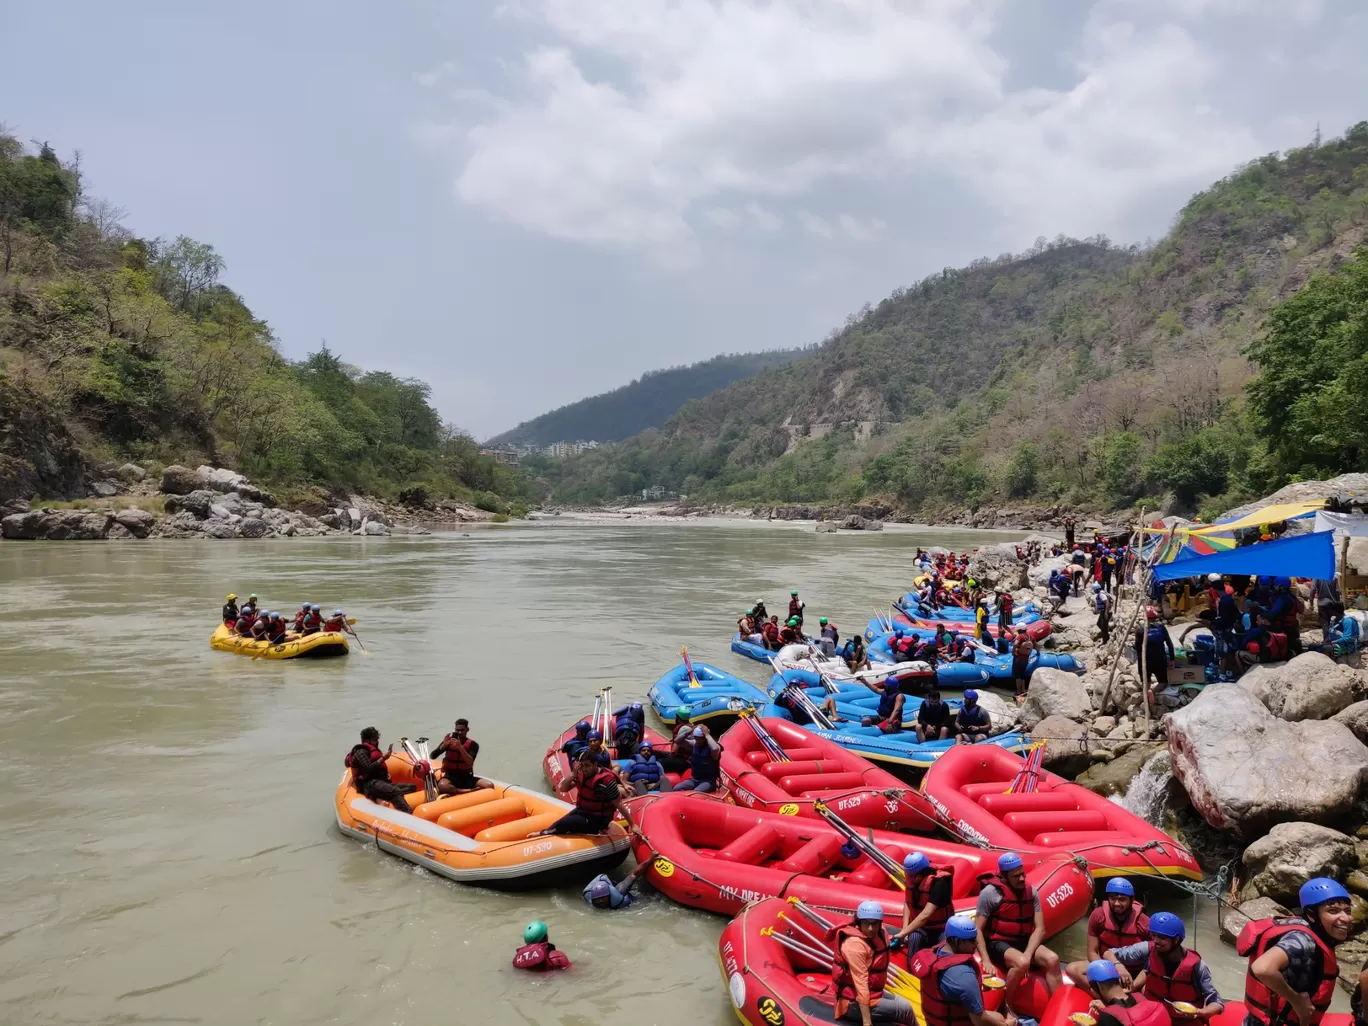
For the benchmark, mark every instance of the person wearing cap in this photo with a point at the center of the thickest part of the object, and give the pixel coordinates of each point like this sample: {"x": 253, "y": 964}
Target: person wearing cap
{"x": 926, "y": 905}
{"x": 601, "y": 892}
{"x": 1011, "y": 926}
{"x": 759, "y": 611}
{"x": 934, "y": 718}
{"x": 704, "y": 763}
{"x": 230, "y": 609}
{"x": 1158, "y": 647}
{"x": 645, "y": 773}
{"x": 458, "y": 751}
{"x": 1168, "y": 972}
{"x": 1112, "y": 1005}
{"x": 795, "y": 611}
{"x": 1118, "y": 921}
{"x": 1292, "y": 964}
{"x": 972, "y": 722}
{"x": 859, "y": 971}
{"x": 952, "y": 982}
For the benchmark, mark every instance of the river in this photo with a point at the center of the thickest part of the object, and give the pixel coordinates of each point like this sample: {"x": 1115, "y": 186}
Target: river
{"x": 168, "y": 847}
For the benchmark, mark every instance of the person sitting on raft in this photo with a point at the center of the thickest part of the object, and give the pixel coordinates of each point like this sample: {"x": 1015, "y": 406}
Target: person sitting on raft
{"x": 627, "y": 731}
{"x": 933, "y": 718}
{"x": 926, "y": 907}
{"x": 313, "y": 620}
{"x": 370, "y": 773}
{"x": 888, "y": 716}
{"x": 243, "y": 627}
{"x": 1119, "y": 921}
{"x": 972, "y": 722}
{"x": 1167, "y": 972}
{"x": 230, "y": 610}
{"x": 791, "y": 633}
{"x": 952, "y": 982}
{"x": 745, "y": 627}
{"x": 854, "y": 654}
{"x": 1292, "y": 964}
{"x": 676, "y": 760}
{"x": 538, "y": 954}
{"x": 277, "y": 629}
{"x": 1113, "y": 1006}
{"x": 299, "y": 618}
{"x": 336, "y": 624}
{"x": 704, "y": 763}
{"x": 598, "y": 750}
{"x": 769, "y": 633}
{"x": 601, "y": 892}
{"x": 597, "y": 798}
{"x": 575, "y": 747}
{"x": 261, "y": 626}
{"x": 458, "y": 751}
{"x": 645, "y": 773}
{"x": 859, "y": 971}
{"x": 1011, "y": 927}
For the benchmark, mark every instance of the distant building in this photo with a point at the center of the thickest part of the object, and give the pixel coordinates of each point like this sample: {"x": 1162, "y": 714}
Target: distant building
{"x": 653, "y": 494}
{"x": 508, "y": 455}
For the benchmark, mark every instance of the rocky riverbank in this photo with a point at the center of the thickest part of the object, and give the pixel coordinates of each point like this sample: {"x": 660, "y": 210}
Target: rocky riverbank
{"x": 213, "y": 502}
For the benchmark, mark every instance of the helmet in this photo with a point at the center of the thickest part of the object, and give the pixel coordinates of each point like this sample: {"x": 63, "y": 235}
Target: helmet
{"x": 1214, "y": 577}
{"x": 1166, "y": 924}
{"x": 870, "y": 910}
{"x": 1282, "y": 582}
{"x": 1151, "y": 613}
{"x": 338, "y": 612}
{"x": 635, "y": 707}
{"x": 1120, "y": 885}
{"x": 1102, "y": 971}
{"x": 915, "y": 862}
{"x": 970, "y": 695}
{"x": 598, "y": 890}
{"x": 960, "y": 928}
{"x": 795, "y": 592}
{"x": 792, "y": 622}
{"x": 1008, "y": 861}
{"x": 534, "y": 932}
{"x": 645, "y": 746}
{"x": 595, "y": 735}
{"x": 822, "y": 620}
{"x": 230, "y": 597}
{"x": 582, "y": 726}
{"x": 315, "y": 607}
{"x": 1319, "y": 890}
{"x": 252, "y": 595}
{"x": 682, "y": 713}
{"x": 1095, "y": 586}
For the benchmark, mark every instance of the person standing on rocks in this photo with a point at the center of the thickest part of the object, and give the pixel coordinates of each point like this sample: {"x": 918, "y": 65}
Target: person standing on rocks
{"x": 1158, "y": 647}
{"x": 1292, "y": 964}
{"x": 1005, "y": 602}
{"x": 1069, "y": 532}
{"x": 1102, "y": 602}
{"x": 1023, "y": 647}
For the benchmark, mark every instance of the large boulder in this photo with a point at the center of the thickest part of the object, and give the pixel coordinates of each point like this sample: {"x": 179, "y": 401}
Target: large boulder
{"x": 196, "y": 503}
{"x": 1311, "y": 686}
{"x": 997, "y": 567}
{"x": 1292, "y": 853}
{"x": 223, "y": 480}
{"x": 178, "y": 480}
{"x": 1066, "y": 745}
{"x": 251, "y": 527}
{"x": 1233, "y": 920}
{"x": 218, "y": 529}
{"x": 1039, "y": 575}
{"x": 375, "y": 528}
{"x": 1245, "y": 770}
{"x": 1114, "y": 777}
{"x": 137, "y": 522}
{"x": 824, "y": 527}
{"x": 1355, "y": 717}
{"x": 57, "y": 525}
{"x": 131, "y": 472}
{"x": 1055, "y": 693}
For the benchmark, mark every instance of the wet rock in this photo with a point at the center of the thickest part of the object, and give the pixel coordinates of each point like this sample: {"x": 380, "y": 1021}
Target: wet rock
{"x": 1355, "y": 717}
{"x": 1244, "y": 769}
{"x": 1311, "y": 686}
{"x": 1113, "y": 778}
{"x": 1291, "y": 853}
{"x": 375, "y": 529}
{"x": 826, "y": 527}
{"x": 1066, "y": 749}
{"x": 137, "y": 522}
{"x": 178, "y": 480}
{"x": 251, "y": 527}
{"x": 131, "y": 472}
{"x": 56, "y": 525}
{"x": 1055, "y": 693}
{"x": 1233, "y": 920}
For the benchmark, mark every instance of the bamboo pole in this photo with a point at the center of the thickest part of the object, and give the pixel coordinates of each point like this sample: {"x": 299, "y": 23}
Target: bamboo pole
{"x": 1142, "y": 597}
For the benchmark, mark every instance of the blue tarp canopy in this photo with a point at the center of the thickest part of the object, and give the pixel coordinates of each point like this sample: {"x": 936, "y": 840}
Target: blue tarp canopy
{"x": 1306, "y": 555}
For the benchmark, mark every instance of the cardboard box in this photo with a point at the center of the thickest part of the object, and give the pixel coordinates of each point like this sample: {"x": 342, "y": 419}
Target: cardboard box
{"x": 1187, "y": 675}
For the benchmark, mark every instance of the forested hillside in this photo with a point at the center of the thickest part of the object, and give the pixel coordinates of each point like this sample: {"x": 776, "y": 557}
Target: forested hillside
{"x": 1077, "y": 372}
{"x": 115, "y": 347}
{"x": 647, "y": 402}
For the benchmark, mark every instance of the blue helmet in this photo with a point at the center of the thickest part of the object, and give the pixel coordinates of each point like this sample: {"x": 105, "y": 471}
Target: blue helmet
{"x": 595, "y": 735}
{"x": 1120, "y": 885}
{"x": 1008, "y": 860}
{"x": 582, "y": 727}
{"x": 870, "y": 910}
{"x": 916, "y": 862}
{"x": 960, "y": 928}
{"x": 1102, "y": 971}
{"x": 970, "y": 695}
{"x": 315, "y": 607}
{"x": 338, "y": 612}
{"x": 1319, "y": 890}
{"x": 1166, "y": 924}
{"x": 600, "y": 889}
{"x": 636, "y": 707}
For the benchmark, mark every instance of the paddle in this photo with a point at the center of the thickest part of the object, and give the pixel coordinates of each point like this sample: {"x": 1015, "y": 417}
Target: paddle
{"x": 420, "y": 760}
{"x": 875, "y": 855}
{"x": 688, "y": 665}
{"x": 352, "y": 631}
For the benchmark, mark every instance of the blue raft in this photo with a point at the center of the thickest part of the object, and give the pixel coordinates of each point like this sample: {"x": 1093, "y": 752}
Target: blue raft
{"x": 743, "y": 647}
{"x": 854, "y": 702}
{"x": 718, "y": 699}
{"x": 984, "y": 667}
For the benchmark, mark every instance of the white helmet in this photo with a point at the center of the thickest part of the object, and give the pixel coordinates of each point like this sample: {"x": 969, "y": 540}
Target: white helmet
{"x": 1214, "y": 578}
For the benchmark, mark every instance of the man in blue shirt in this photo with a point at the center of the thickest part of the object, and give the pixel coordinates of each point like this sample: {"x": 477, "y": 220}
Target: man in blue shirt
{"x": 973, "y": 723}
{"x": 951, "y": 987}
{"x": 601, "y": 892}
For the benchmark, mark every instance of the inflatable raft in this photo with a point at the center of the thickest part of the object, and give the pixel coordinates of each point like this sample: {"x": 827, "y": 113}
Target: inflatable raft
{"x": 776, "y": 766}
{"x": 995, "y": 667}
{"x": 481, "y": 837}
{"x": 309, "y": 646}
{"x": 854, "y": 702}
{"x": 712, "y": 855}
{"x": 556, "y": 765}
{"x": 968, "y": 787}
{"x": 711, "y": 695}
{"x": 910, "y": 605}
{"x": 1037, "y": 629}
{"x": 1069, "y": 1000}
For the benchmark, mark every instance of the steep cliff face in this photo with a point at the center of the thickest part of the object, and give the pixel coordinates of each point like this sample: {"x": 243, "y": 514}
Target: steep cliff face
{"x": 38, "y": 455}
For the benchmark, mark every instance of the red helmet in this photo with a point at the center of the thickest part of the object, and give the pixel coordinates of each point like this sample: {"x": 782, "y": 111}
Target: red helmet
{"x": 1151, "y": 613}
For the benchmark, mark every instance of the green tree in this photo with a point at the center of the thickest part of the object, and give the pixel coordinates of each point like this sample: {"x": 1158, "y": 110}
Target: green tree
{"x": 1190, "y": 467}
{"x": 1023, "y": 470}
{"x": 1121, "y": 466}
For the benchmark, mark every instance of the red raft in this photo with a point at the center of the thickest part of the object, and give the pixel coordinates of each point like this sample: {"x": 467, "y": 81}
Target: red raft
{"x": 1068, "y": 1000}
{"x": 556, "y": 765}
{"x": 776, "y": 766}
{"x": 715, "y": 856}
{"x": 1039, "y": 630}
{"x": 969, "y": 785}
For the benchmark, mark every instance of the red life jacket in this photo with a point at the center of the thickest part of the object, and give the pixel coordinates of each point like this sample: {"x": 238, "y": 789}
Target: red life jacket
{"x": 1143, "y": 1013}
{"x": 1005, "y": 603}
{"x": 1114, "y": 935}
{"x": 843, "y": 983}
{"x": 1014, "y": 920}
{"x": 243, "y": 625}
{"x": 539, "y": 957}
{"x": 376, "y": 756}
{"x": 299, "y": 619}
{"x": 1262, "y": 1004}
{"x": 264, "y": 627}
{"x": 929, "y": 964}
{"x": 1177, "y": 984}
{"x": 588, "y": 802}
{"x": 313, "y": 620}
{"x": 456, "y": 759}
{"x": 1277, "y": 647}
{"x": 919, "y": 893}
{"x": 334, "y": 624}
{"x": 770, "y": 631}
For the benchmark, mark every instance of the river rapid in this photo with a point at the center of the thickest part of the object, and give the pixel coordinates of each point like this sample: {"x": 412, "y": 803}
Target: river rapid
{"x": 168, "y": 851}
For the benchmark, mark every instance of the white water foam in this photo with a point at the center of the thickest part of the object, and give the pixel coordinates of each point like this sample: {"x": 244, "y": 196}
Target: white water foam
{"x": 1148, "y": 791}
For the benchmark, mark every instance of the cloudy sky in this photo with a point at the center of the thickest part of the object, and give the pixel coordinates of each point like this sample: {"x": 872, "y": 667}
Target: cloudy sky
{"x": 531, "y": 201}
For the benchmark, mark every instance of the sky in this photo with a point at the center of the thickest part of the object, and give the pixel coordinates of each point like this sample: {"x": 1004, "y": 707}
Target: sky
{"x": 527, "y": 202}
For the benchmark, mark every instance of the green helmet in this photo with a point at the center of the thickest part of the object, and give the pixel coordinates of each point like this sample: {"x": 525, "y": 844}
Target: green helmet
{"x": 793, "y": 621}
{"x": 822, "y": 620}
{"x": 682, "y": 713}
{"x": 534, "y": 932}
{"x": 794, "y": 591}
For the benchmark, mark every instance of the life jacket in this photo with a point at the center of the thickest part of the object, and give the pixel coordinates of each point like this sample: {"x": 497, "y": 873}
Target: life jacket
{"x": 769, "y": 631}
{"x": 1277, "y": 646}
{"x": 334, "y": 624}
{"x": 243, "y": 626}
{"x": 648, "y": 770}
{"x": 456, "y": 760}
{"x": 795, "y": 608}
{"x": 788, "y": 635}
{"x": 259, "y": 628}
{"x": 1014, "y": 919}
{"x": 1154, "y": 636}
{"x": 540, "y": 957}
{"x": 277, "y": 631}
{"x": 313, "y": 620}
{"x": 929, "y": 964}
{"x": 299, "y": 618}
{"x": 1143, "y": 1013}
{"x": 230, "y": 612}
{"x": 377, "y": 758}
{"x": 587, "y": 800}
{"x": 1115, "y": 935}
{"x": 626, "y": 732}
{"x": 887, "y": 701}
{"x": 919, "y": 893}
{"x": 1261, "y": 1003}
{"x": 1005, "y": 603}
{"x": 703, "y": 763}
{"x": 1177, "y": 984}
{"x": 842, "y": 982}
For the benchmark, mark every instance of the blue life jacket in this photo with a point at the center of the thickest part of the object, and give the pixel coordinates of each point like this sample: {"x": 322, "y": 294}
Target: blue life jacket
{"x": 886, "y": 702}
{"x": 626, "y": 733}
{"x": 648, "y": 770}
{"x": 1154, "y": 636}
{"x": 575, "y": 747}
{"x": 703, "y": 763}
{"x": 638, "y": 716}
{"x": 975, "y": 718}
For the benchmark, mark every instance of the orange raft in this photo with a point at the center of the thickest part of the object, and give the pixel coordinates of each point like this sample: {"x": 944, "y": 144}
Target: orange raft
{"x": 481, "y": 837}
{"x": 968, "y": 788}
{"x": 776, "y": 766}
{"x": 712, "y": 855}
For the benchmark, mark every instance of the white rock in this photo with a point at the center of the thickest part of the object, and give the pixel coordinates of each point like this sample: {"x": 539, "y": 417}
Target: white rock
{"x": 1311, "y": 686}
{"x": 1055, "y": 693}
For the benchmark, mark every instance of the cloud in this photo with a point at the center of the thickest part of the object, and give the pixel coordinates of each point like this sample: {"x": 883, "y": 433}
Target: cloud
{"x": 626, "y": 125}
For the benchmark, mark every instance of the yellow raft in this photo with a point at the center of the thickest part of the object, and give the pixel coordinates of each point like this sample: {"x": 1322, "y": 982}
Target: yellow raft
{"x": 310, "y": 646}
